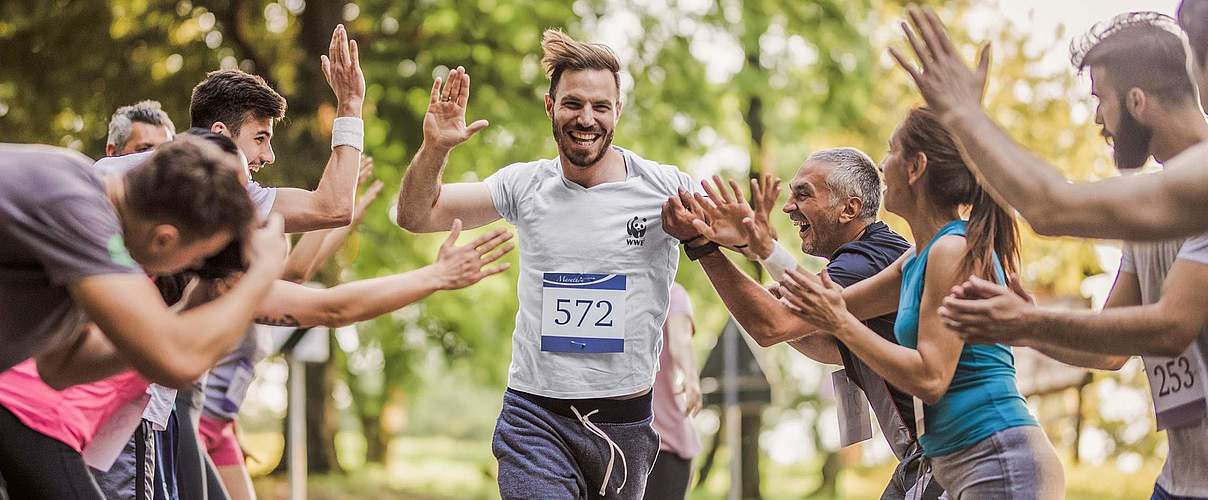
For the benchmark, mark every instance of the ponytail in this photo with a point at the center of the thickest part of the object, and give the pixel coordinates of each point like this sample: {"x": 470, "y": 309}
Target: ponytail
{"x": 991, "y": 234}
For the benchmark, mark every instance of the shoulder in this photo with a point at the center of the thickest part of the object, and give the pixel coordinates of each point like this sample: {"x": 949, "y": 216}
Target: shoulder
{"x": 118, "y": 165}
{"x": 946, "y": 250}
{"x": 661, "y": 174}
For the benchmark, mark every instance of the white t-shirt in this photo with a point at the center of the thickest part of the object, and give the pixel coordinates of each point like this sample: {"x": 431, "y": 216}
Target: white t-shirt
{"x": 1183, "y": 472}
{"x": 610, "y": 229}
{"x": 262, "y": 197}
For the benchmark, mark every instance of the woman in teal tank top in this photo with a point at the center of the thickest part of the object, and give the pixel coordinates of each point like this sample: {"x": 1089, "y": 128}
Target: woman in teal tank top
{"x": 977, "y": 433}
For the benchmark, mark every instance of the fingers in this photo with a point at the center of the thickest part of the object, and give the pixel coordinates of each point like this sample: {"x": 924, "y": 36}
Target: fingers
{"x": 325, "y": 65}
{"x": 373, "y": 190}
{"x": 489, "y": 241}
{"x": 981, "y": 288}
{"x": 920, "y": 51}
{"x": 493, "y": 271}
{"x": 463, "y": 96}
{"x": 345, "y": 52}
{"x": 454, "y": 232}
{"x": 928, "y": 33}
{"x": 923, "y": 37}
{"x": 450, "y": 81}
{"x": 455, "y": 84}
{"x": 473, "y": 128}
{"x": 939, "y": 32}
{"x": 976, "y": 307}
{"x": 333, "y": 46}
{"x": 736, "y": 190}
{"x": 435, "y": 92}
{"x": 701, "y": 227}
{"x": 354, "y": 52}
{"x": 712, "y": 193}
{"x": 983, "y": 65}
{"x": 897, "y": 56}
{"x": 826, "y": 281}
{"x": 497, "y": 254}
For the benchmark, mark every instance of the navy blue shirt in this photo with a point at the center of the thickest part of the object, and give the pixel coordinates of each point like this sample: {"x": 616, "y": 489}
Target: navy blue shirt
{"x": 856, "y": 261}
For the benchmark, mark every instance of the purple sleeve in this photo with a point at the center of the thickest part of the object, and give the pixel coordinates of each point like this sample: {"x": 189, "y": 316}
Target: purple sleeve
{"x": 74, "y": 238}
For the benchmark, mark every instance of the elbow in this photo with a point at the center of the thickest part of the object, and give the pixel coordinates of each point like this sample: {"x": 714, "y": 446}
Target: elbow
{"x": 1175, "y": 340}
{"x": 411, "y": 222}
{"x": 55, "y": 381}
{"x": 767, "y": 335}
{"x": 1114, "y": 363}
{"x": 931, "y": 390}
{"x": 180, "y": 376}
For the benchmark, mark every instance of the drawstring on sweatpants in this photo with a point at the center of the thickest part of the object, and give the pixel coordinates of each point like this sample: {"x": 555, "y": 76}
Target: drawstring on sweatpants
{"x": 613, "y": 450}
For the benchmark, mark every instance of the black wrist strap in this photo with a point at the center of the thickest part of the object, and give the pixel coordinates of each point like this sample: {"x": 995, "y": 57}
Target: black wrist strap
{"x": 695, "y": 253}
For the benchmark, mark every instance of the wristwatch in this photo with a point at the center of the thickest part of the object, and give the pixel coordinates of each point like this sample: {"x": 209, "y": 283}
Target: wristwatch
{"x": 695, "y": 253}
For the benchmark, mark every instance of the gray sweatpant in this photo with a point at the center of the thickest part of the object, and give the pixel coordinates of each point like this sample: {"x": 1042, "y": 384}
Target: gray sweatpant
{"x": 547, "y": 455}
{"x": 1015, "y": 463}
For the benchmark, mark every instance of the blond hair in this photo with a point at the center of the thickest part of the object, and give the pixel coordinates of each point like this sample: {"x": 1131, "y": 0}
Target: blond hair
{"x": 563, "y": 53}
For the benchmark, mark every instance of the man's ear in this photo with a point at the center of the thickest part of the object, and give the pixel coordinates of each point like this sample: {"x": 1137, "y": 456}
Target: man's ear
{"x": 110, "y": 150}
{"x": 1136, "y": 102}
{"x": 549, "y": 106}
{"x": 164, "y": 237}
{"x": 851, "y": 209}
{"x": 221, "y": 128}
{"x": 916, "y": 168}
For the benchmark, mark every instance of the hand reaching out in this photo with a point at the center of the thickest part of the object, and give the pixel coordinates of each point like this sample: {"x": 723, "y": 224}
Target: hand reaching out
{"x": 720, "y": 216}
{"x": 445, "y": 122}
{"x": 342, "y": 67}
{"x": 817, "y": 299}
{"x": 764, "y": 193}
{"x": 984, "y": 312}
{"x": 945, "y": 81}
{"x": 462, "y": 266}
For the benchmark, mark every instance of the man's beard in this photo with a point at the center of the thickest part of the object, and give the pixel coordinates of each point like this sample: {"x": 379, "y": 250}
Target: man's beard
{"x": 566, "y": 143}
{"x": 1130, "y": 145}
{"x": 824, "y": 233}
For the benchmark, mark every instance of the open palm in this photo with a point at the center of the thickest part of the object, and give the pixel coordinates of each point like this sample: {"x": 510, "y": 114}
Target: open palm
{"x": 445, "y": 122}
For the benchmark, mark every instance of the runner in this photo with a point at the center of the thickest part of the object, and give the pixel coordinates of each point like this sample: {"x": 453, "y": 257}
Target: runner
{"x": 596, "y": 267}
{"x": 1158, "y": 307}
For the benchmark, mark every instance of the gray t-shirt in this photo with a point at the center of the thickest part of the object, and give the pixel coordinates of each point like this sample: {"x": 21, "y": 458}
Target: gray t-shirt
{"x": 1183, "y": 473}
{"x": 56, "y": 227}
{"x": 595, "y": 273}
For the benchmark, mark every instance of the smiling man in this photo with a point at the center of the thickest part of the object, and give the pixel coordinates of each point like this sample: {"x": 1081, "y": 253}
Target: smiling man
{"x": 595, "y": 274}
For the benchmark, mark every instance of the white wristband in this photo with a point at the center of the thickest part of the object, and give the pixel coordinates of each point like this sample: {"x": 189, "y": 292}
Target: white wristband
{"x": 348, "y": 131}
{"x": 779, "y": 262}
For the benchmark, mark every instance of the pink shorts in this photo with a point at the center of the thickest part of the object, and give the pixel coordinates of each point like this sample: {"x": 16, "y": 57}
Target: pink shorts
{"x": 220, "y": 441}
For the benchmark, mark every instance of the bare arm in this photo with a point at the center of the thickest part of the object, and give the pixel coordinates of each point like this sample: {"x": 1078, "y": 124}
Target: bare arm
{"x": 91, "y": 357}
{"x": 424, "y": 204}
{"x": 1148, "y": 207}
{"x": 174, "y": 349}
{"x": 315, "y": 248}
{"x": 1164, "y": 328}
{"x": 290, "y": 304}
{"x": 331, "y": 203}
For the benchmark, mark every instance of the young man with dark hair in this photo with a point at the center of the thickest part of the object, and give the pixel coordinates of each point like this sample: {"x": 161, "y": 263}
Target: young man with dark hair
{"x": 1158, "y": 307}
{"x": 243, "y": 107}
{"x": 596, "y": 270}
{"x": 138, "y": 127}
{"x": 76, "y": 250}
{"x": 1145, "y": 207}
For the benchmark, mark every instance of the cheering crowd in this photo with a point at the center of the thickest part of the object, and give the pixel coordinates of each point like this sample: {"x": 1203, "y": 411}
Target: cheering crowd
{"x": 129, "y": 285}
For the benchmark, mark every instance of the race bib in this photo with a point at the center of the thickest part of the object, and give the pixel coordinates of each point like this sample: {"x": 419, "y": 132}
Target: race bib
{"x": 237, "y": 390}
{"x": 1177, "y": 385}
{"x": 855, "y": 422}
{"x": 582, "y": 313}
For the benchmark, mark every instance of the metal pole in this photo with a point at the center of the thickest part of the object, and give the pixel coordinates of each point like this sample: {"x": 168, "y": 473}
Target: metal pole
{"x": 297, "y": 429}
{"x": 733, "y": 412}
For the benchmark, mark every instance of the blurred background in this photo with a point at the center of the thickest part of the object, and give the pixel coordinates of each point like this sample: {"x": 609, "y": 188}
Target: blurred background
{"x": 405, "y": 405}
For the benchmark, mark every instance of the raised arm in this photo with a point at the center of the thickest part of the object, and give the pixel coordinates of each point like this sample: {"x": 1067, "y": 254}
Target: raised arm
{"x": 290, "y": 304}
{"x": 1140, "y": 207}
{"x": 315, "y": 248}
{"x": 175, "y": 349}
{"x": 331, "y": 203}
{"x": 425, "y": 204}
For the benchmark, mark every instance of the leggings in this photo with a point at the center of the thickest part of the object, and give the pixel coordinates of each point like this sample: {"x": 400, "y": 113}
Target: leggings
{"x": 36, "y": 466}
{"x": 1014, "y": 463}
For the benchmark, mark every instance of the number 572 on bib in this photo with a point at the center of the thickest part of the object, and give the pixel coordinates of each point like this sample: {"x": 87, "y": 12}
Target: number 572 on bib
{"x": 583, "y": 313}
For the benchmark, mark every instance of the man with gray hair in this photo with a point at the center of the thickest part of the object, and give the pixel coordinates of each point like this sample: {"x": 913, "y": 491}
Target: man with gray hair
{"x": 138, "y": 127}
{"x": 834, "y": 200}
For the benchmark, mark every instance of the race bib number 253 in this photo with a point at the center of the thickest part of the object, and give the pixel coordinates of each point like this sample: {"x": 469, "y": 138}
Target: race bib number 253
{"x": 1177, "y": 385}
{"x": 583, "y": 313}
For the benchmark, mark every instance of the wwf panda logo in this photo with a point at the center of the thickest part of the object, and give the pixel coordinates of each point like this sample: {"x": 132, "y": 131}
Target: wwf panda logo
{"x": 637, "y": 231}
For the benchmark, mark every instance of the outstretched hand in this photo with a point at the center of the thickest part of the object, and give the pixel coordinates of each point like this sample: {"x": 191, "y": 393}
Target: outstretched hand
{"x": 816, "y": 299}
{"x": 984, "y": 312}
{"x": 945, "y": 81}
{"x": 445, "y": 122}
{"x": 462, "y": 266}
{"x": 764, "y": 193}
{"x": 342, "y": 67}
{"x": 720, "y": 216}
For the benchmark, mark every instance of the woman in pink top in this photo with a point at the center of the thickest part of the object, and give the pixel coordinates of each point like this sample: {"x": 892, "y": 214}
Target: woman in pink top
{"x": 675, "y": 404}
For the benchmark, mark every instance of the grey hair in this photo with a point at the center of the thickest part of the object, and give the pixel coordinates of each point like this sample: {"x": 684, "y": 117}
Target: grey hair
{"x": 855, "y": 175}
{"x": 122, "y": 123}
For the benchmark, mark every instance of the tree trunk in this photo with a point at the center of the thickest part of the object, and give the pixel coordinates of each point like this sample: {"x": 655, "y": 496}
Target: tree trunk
{"x": 752, "y": 421}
